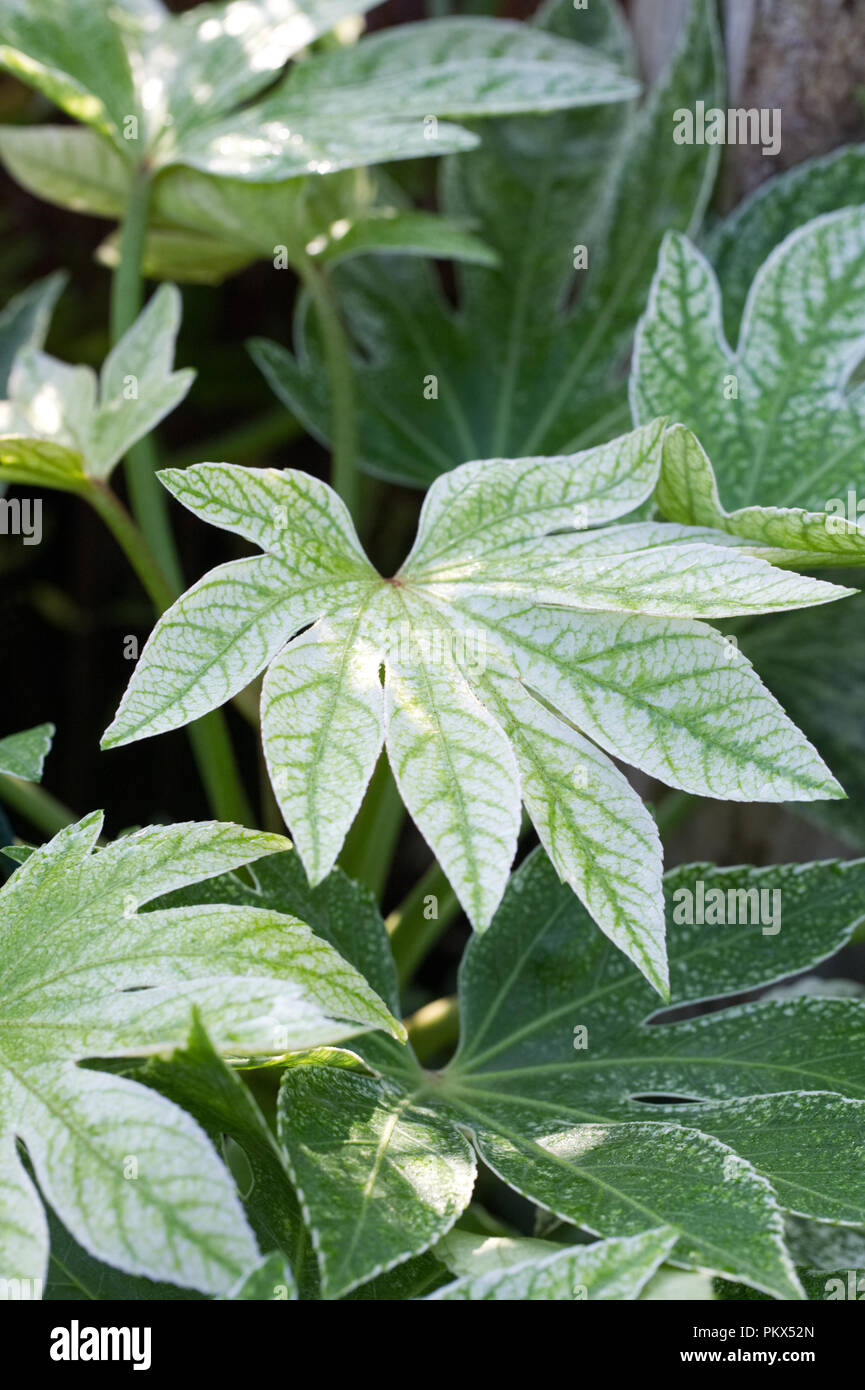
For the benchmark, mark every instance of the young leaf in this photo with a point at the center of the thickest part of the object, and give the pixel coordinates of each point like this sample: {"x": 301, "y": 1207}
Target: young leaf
{"x": 124, "y": 986}
{"x": 24, "y": 754}
{"x": 687, "y": 492}
{"x": 485, "y": 686}
{"x": 609, "y": 1269}
{"x": 795, "y": 411}
{"x": 60, "y": 405}
{"x": 563, "y": 1068}
{"x": 368, "y": 103}
{"x": 531, "y": 359}
{"x": 462, "y": 66}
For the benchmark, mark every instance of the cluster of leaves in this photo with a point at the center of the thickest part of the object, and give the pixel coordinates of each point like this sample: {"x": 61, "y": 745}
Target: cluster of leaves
{"x": 372, "y": 1144}
{"x": 234, "y": 157}
{"x": 494, "y": 675}
{"x": 531, "y": 360}
{"x": 781, "y": 418}
{"x": 553, "y": 614}
{"x": 86, "y": 974}
{"x": 586, "y": 1133}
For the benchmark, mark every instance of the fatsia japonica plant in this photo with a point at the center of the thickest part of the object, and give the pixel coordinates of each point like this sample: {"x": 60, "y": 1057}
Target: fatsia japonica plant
{"x": 403, "y": 1003}
{"x": 515, "y": 651}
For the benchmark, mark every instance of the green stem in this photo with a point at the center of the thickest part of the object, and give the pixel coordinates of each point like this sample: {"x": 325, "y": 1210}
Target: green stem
{"x": 36, "y": 805}
{"x": 126, "y": 286}
{"x": 343, "y": 426}
{"x": 434, "y": 1027}
{"x": 209, "y": 736}
{"x": 218, "y": 770}
{"x": 148, "y": 498}
{"x": 111, "y": 510}
{"x": 149, "y": 502}
{"x": 149, "y": 544}
{"x": 370, "y": 844}
{"x": 413, "y": 933}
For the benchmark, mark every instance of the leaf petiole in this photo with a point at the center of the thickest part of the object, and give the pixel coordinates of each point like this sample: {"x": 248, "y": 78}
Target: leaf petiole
{"x": 149, "y": 504}
{"x": 344, "y": 476}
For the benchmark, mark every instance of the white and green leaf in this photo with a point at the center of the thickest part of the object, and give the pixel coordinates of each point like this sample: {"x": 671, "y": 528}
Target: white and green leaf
{"x": 59, "y": 405}
{"x": 84, "y": 973}
{"x": 607, "y": 1269}
{"x": 322, "y": 727}
{"x": 23, "y": 755}
{"x": 670, "y": 696}
{"x": 778, "y": 416}
{"x": 75, "y": 57}
{"x": 687, "y": 492}
{"x": 595, "y": 829}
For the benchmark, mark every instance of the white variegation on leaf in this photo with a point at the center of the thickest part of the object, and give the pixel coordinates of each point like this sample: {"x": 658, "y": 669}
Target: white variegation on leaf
{"x": 777, "y": 415}
{"x": 608, "y": 1269}
{"x": 93, "y": 423}
{"x": 592, "y": 824}
{"x": 85, "y": 973}
{"x": 322, "y": 728}
{"x": 687, "y": 492}
{"x": 504, "y": 664}
{"x": 455, "y": 770}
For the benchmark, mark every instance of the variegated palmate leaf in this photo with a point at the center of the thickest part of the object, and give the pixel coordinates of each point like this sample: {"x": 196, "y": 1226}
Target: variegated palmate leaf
{"x": 519, "y": 648}
{"x": 84, "y": 973}
{"x": 786, "y": 467}
{"x": 777, "y": 415}
{"x": 739, "y": 245}
{"x": 565, "y": 1079}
